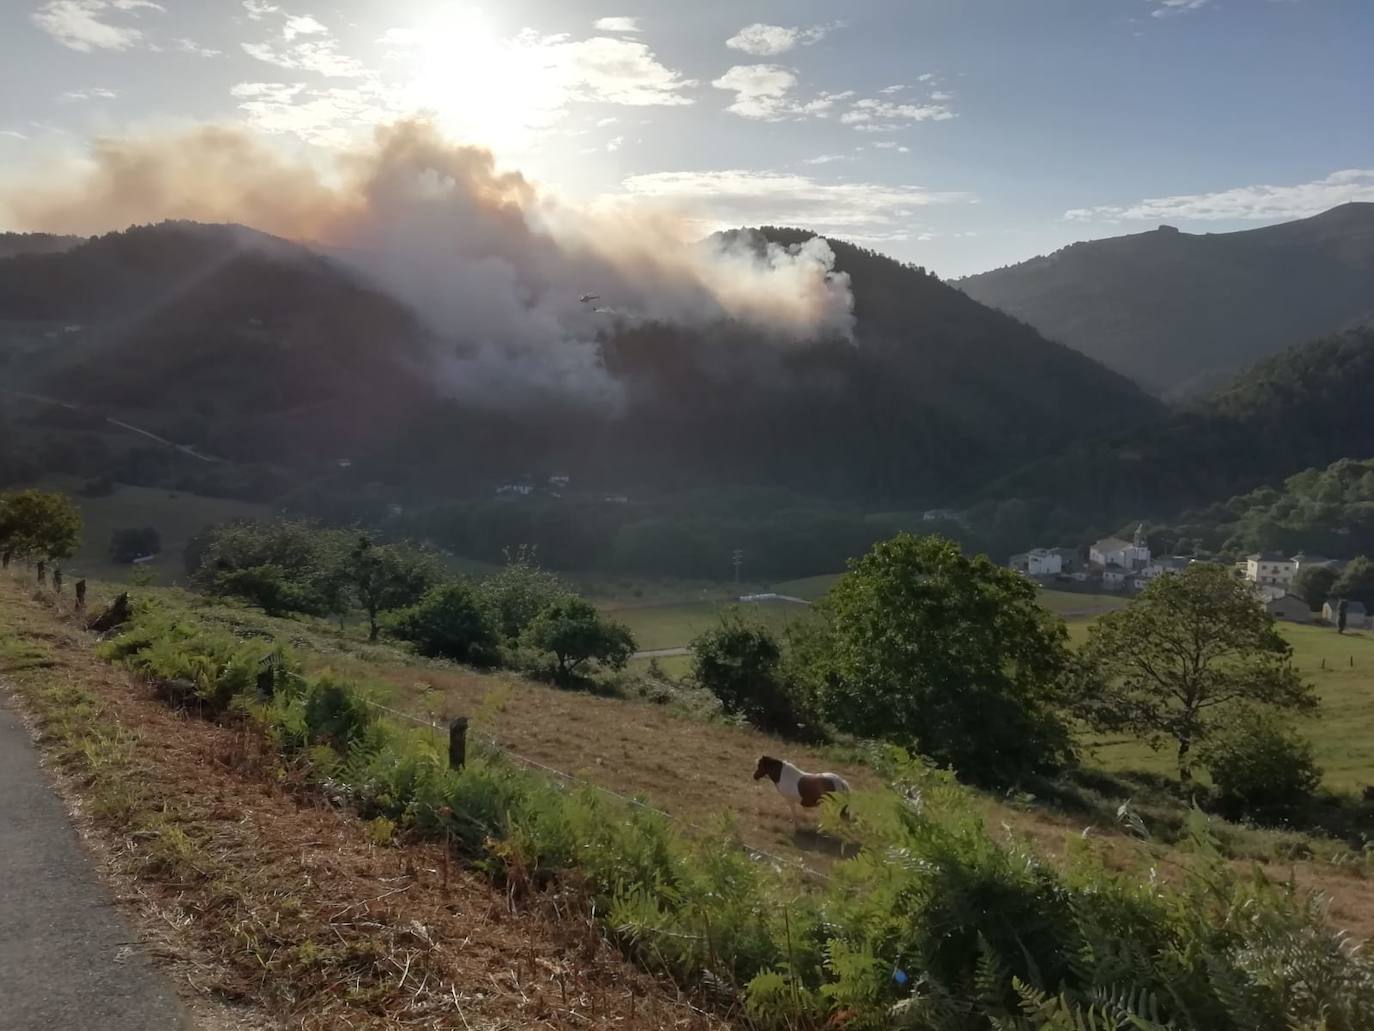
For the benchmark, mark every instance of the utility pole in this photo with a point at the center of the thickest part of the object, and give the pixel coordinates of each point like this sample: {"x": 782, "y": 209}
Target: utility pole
{"x": 737, "y": 560}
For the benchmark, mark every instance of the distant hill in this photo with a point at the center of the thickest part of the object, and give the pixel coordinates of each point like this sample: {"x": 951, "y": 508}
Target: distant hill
{"x": 1181, "y": 313}
{"x": 257, "y": 349}
{"x": 1306, "y": 407}
{"x": 242, "y": 343}
{"x": 36, "y": 243}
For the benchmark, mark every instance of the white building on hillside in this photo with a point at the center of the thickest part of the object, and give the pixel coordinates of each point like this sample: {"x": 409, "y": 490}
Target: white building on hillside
{"x": 1270, "y": 567}
{"x": 1038, "y": 562}
{"x": 1113, "y": 551}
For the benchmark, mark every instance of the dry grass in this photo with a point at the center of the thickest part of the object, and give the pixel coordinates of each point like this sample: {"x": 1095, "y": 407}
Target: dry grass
{"x": 262, "y": 892}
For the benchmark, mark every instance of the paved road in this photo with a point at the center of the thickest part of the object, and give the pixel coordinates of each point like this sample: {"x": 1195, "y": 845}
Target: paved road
{"x": 67, "y": 959}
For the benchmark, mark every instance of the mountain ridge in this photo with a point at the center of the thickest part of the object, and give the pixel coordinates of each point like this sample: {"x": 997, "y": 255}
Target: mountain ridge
{"x": 1182, "y": 312}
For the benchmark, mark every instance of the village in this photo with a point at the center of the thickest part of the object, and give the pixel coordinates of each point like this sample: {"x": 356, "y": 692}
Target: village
{"x": 1127, "y": 566}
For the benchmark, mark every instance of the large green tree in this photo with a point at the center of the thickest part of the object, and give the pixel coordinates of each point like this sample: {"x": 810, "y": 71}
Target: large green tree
{"x": 520, "y": 591}
{"x": 388, "y": 576}
{"x": 949, "y": 655}
{"x": 574, "y": 633}
{"x": 39, "y": 524}
{"x": 450, "y": 622}
{"x": 1183, "y": 658}
{"x": 1313, "y": 585}
{"x": 1356, "y": 582}
{"x": 741, "y": 663}
{"x": 282, "y": 566}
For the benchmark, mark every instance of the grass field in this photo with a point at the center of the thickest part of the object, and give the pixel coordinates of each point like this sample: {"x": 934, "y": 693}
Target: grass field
{"x": 673, "y": 626}
{"x": 177, "y": 517}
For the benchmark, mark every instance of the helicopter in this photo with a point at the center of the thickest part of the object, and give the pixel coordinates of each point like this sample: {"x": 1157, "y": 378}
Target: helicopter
{"x": 585, "y": 298}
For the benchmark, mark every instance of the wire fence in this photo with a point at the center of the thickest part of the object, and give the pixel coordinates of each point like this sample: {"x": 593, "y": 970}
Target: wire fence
{"x": 524, "y": 760}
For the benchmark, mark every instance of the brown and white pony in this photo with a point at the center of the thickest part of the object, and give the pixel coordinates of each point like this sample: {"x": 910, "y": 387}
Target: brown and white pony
{"x": 798, "y": 786}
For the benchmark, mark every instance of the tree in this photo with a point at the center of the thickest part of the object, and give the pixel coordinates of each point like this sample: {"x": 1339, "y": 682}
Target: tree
{"x": 1175, "y": 663}
{"x": 1342, "y": 612}
{"x": 450, "y": 622}
{"x": 38, "y": 523}
{"x": 1313, "y": 585}
{"x": 951, "y": 656}
{"x": 1356, "y": 581}
{"x": 573, "y": 632}
{"x": 741, "y": 663}
{"x": 519, "y": 592}
{"x": 287, "y": 565}
{"x": 387, "y": 576}
{"x": 1259, "y": 766}
{"x": 134, "y": 542}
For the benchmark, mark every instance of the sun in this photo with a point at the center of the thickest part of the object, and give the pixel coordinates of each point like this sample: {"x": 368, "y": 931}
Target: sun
{"x": 482, "y": 87}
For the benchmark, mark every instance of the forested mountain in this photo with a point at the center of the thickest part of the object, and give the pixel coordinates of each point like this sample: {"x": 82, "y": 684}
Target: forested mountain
{"x": 257, "y": 349}
{"x": 36, "y": 243}
{"x": 1306, "y": 407}
{"x": 1327, "y": 512}
{"x": 1179, "y": 312}
{"x": 213, "y": 334}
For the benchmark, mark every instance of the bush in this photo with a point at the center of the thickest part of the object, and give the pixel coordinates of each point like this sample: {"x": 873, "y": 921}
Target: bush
{"x": 572, "y": 633}
{"x": 134, "y": 542}
{"x": 741, "y": 663}
{"x": 449, "y": 622}
{"x": 519, "y": 592}
{"x": 1260, "y": 767}
{"x": 282, "y": 566}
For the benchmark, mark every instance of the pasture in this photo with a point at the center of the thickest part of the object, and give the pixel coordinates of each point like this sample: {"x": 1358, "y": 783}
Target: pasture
{"x": 176, "y": 516}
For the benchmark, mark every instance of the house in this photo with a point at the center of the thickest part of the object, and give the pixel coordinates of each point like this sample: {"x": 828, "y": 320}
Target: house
{"x": 942, "y": 515}
{"x": 1268, "y": 592}
{"x": 1069, "y": 559}
{"x": 514, "y": 490}
{"x": 559, "y": 480}
{"x": 1114, "y": 578}
{"x": 1113, "y": 551}
{"x": 1270, "y": 567}
{"x": 1289, "y": 607}
{"x": 1356, "y": 618}
{"x": 1166, "y": 564}
{"x": 1038, "y": 562}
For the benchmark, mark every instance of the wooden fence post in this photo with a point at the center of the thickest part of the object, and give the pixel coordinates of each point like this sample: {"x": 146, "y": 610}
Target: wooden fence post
{"x": 458, "y": 743}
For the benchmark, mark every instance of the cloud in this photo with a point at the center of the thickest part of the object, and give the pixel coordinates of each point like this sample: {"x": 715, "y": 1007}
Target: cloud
{"x": 1167, "y": 8}
{"x": 259, "y": 9}
{"x": 601, "y": 123}
{"x": 614, "y": 143}
{"x": 826, "y": 159}
{"x": 616, "y": 24}
{"x": 891, "y": 145}
{"x": 770, "y": 40}
{"x": 606, "y": 70}
{"x": 190, "y": 46}
{"x": 329, "y": 116}
{"x": 94, "y": 93}
{"x": 764, "y": 92}
{"x": 720, "y": 199}
{"x": 872, "y": 115}
{"x": 894, "y": 88}
{"x": 78, "y": 24}
{"x": 926, "y": 77}
{"x": 13, "y": 134}
{"x": 1243, "y": 203}
{"x": 303, "y": 44}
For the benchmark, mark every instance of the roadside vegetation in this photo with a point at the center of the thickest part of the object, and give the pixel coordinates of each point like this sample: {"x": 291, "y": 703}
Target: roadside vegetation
{"x": 942, "y": 675}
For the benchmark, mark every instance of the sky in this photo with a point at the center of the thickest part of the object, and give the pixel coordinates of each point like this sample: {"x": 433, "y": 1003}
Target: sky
{"x": 961, "y": 135}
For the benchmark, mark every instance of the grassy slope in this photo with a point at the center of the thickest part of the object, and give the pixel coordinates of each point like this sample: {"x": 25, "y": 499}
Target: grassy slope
{"x": 177, "y": 517}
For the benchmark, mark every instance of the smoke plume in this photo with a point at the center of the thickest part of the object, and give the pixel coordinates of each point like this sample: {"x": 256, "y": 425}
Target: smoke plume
{"x": 495, "y": 266}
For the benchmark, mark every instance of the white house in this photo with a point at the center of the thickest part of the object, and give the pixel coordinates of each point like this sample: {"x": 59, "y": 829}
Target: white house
{"x": 1166, "y": 564}
{"x": 1038, "y": 562}
{"x": 1270, "y": 567}
{"x": 1356, "y": 618}
{"x": 1114, "y": 578}
{"x": 1113, "y": 551}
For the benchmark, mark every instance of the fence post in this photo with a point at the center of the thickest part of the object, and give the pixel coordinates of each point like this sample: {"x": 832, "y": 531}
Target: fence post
{"x": 458, "y": 743}
{"x": 81, "y": 595}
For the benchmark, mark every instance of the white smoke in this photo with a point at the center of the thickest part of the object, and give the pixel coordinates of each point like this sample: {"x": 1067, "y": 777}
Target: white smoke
{"x": 495, "y": 267}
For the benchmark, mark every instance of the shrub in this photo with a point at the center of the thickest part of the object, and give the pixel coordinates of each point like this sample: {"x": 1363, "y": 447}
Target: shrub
{"x": 519, "y": 592}
{"x": 282, "y": 566}
{"x": 448, "y": 622}
{"x": 572, "y": 633}
{"x": 741, "y": 663}
{"x": 1260, "y": 767}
